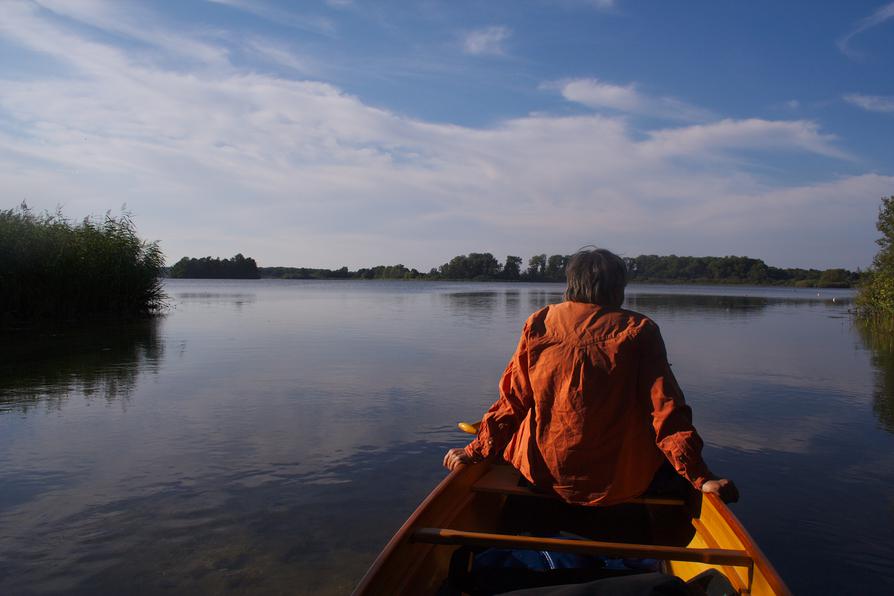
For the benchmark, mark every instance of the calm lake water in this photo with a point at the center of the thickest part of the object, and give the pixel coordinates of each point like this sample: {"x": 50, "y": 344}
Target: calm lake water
{"x": 269, "y": 436}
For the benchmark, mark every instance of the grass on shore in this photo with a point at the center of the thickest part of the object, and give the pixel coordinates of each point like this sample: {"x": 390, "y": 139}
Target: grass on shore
{"x": 53, "y": 269}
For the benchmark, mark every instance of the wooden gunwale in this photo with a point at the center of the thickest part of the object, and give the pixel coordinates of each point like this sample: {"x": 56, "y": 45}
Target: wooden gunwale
{"x": 773, "y": 579}
{"x": 711, "y": 556}
{"x": 729, "y": 572}
{"x": 503, "y": 479}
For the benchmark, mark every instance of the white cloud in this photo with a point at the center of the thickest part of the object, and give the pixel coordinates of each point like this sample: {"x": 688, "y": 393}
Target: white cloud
{"x": 754, "y": 133}
{"x": 262, "y": 10}
{"x": 279, "y": 54}
{"x": 131, "y": 20}
{"x": 598, "y": 95}
{"x": 487, "y": 41}
{"x": 872, "y": 103}
{"x": 600, "y": 4}
{"x": 881, "y": 15}
{"x": 214, "y": 160}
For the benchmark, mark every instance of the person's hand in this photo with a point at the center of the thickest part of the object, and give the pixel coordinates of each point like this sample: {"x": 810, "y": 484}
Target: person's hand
{"x": 723, "y": 488}
{"x": 456, "y": 458}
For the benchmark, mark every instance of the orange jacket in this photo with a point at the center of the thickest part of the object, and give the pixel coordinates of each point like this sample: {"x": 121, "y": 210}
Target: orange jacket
{"x": 589, "y": 408}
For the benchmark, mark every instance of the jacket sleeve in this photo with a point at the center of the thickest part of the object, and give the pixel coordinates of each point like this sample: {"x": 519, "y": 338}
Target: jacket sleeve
{"x": 671, "y": 417}
{"x": 507, "y": 413}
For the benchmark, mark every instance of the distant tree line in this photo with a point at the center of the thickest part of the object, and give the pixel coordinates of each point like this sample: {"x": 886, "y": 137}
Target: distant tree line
{"x": 732, "y": 270}
{"x": 647, "y": 269}
{"x": 238, "y": 267}
{"x": 377, "y": 272}
{"x": 540, "y": 268}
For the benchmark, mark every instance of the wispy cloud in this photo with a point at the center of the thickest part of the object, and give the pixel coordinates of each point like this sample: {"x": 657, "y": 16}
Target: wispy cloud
{"x": 487, "y": 41}
{"x": 872, "y": 103}
{"x": 881, "y": 15}
{"x": 131, "y": 21}
{"x": 754, "y": 133}
{"x": 279, "y": 54}
{"x": 599, "y": 95}
{"x": 600, "y": 4}
{"x": 265, "y": 11}
{"x": 300, "y": 172}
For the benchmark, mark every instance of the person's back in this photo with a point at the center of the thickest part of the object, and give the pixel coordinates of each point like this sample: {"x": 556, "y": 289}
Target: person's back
{"x": 589, "y": 408}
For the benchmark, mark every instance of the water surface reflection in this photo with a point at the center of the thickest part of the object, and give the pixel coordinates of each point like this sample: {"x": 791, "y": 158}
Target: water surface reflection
{"x": 277, "y": 432}
{"x": 878, "y": 337}
{"x": 297, "y": 531}
{"x": 47, "y": 366}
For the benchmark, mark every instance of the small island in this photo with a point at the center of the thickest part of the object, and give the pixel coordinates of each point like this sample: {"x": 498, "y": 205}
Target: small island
{"x": 238, "y": 267}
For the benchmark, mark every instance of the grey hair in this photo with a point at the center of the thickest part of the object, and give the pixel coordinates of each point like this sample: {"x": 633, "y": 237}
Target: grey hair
{"x": 597, "y": 276}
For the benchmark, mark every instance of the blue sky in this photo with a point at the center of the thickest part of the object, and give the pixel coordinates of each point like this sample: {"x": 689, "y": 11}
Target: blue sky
{"x": 339, "y": 132}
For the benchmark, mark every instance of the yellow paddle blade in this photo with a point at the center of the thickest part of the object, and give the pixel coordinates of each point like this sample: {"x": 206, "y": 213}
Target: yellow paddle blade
{"x": 471, "y": 428}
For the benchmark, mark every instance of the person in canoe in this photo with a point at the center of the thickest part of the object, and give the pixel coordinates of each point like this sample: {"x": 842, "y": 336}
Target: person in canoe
{"x": 589, "y": 408}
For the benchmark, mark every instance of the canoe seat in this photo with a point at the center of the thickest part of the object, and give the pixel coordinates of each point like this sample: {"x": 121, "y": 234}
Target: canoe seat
{"x": 711, "y": 556}
{"x": 506, "y": 480}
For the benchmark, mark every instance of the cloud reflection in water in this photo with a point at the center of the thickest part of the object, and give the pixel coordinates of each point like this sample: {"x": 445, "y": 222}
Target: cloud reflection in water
{"x": 278, "y": 446}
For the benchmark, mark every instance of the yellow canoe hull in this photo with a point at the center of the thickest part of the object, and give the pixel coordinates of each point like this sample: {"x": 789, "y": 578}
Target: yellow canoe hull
{"x": 465, "y": 508}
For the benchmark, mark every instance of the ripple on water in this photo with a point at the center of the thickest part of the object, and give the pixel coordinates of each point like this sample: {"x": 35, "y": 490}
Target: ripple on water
{"x": 269, "y": 438}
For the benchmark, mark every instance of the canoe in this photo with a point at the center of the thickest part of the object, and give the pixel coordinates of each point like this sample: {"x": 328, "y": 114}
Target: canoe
{"x": 486, "y": 505}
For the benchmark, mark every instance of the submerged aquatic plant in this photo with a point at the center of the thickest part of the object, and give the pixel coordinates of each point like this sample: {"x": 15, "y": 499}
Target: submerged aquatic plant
{"x": 53, "y": 269}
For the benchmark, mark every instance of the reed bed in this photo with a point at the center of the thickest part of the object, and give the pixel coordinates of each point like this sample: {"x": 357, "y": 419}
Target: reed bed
{"x": 53, "y": 269}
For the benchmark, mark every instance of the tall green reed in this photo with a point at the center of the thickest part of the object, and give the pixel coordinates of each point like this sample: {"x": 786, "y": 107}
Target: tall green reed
{"x": 53, "y": 269}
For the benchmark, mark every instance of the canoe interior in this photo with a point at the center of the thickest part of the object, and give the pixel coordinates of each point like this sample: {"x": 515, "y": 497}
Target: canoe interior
{"x": 486, "y": 499}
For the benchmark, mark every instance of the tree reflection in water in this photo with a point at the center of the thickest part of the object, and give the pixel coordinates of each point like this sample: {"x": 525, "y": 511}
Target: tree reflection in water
{"x": 878, "y": 337}
{"x": 47, "y": 366}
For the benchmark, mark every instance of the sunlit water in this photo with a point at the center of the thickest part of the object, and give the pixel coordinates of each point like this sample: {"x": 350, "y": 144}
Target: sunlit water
{"x": 269, "y": 436}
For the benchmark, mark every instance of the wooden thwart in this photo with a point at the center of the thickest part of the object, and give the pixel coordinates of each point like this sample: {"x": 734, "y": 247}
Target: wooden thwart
{"x": 712, "y": 556}
{"x": 504, "y": 480}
